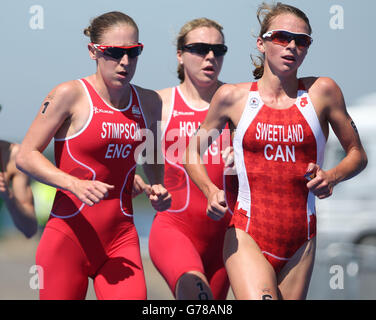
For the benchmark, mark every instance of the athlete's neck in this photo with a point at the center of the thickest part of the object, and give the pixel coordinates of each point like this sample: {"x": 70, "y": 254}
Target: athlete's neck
{"x": 277, "y": 87}
{"x": 118, "y": 97}
{"x": 199, "y": 96}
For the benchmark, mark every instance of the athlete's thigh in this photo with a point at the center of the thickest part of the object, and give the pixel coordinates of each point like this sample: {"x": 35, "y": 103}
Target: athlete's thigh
{"x": 215, "y": 271}
{"x": 122, "y": 277}
{"x": 219, "y": 283}
{"x": 294, "y": 278}
{"x": 172, "y": 252}
{"x": 251, "y": 275}
{"x": 63, "y": 272}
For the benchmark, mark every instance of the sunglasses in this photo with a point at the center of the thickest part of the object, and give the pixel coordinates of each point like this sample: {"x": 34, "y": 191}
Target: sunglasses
{"x": 283, "y": 38}
{"x": 203, "y": 49}
{"x": 117, "y": 52}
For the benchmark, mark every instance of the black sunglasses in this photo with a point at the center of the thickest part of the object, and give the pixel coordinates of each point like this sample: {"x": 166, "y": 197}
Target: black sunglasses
{"x": 203, "y": 49}
{"x": 117, "y": 52}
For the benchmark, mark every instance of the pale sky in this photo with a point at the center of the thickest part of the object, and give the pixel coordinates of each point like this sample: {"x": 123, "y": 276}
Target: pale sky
{"x": 42, "y": 45}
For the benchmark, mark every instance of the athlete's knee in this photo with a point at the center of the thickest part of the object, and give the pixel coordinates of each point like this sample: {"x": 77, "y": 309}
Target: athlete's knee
{"x": 193, "y": 286}
{"x": 261, "y": 293}
{"x": 268, "y": 294}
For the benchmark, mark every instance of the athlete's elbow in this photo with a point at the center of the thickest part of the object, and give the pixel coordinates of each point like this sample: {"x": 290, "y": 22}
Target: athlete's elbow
{"x": 21, "y": 161}
{"x": 364, "y": 161}
{"x": 30, "y": 232}
{"x": 28, "y": 228}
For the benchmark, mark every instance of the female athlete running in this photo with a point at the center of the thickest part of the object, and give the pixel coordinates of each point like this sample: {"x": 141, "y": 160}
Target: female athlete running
{"x": 97, "y": 123}
{"x": 185, "y": 245}
{"x": 282, "y": 124}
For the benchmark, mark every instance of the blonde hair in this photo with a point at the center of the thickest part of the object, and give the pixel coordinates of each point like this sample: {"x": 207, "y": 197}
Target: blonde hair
{"x": 105, "y": 21}
{"x": 265, "y": 14}
{"x": 188, "y": 27}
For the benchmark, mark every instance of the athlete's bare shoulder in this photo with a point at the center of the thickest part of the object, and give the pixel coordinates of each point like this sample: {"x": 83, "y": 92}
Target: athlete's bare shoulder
{"x": 148, "y": 97}
{"x": 151, "y": 103}
{"x": 63, "y": 97}
{"x": 324, "y": 92}
{"x": 165, "y": 94}
{"x": 69, "y": 89}
{"x": 244, "y": 85}
{"x": 232, "y": 94}
{"x": 322, "y": 86}
{"x": 167, "y": 100}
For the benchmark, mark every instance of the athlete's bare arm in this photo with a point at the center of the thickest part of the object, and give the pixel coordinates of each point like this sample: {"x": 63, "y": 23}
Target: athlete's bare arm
{"x": 16, "y": 192}
{"x": 166, "y": 97}
{"x": 63, "y": 112}
{"x": 139, "y": 185}
{"x": 153, "y": 167}
{"x": 226, "y": 107}
{"x": 331, "y": 108}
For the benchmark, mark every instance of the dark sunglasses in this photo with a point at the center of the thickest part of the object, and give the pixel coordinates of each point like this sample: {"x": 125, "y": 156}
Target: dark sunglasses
{"x": 283, "y": 38}
{"x": 117, "y": 52}
{"x": 203, "y": 49}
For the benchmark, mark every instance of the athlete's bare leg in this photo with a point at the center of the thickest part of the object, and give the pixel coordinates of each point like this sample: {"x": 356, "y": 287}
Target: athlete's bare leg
{"x": 294, "y": 278}
{"x": 193, "y": 285}
{"x": 251, "y": 275}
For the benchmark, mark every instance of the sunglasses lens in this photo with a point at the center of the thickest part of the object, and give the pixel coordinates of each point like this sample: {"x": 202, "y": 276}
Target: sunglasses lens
{"x": 283, "y": 38}
{"x": 118, "y": 53}
{"x": 219, "y": 50}
{"x": 134, "y": 52}
{"x": 302, "y": 41}
{"x": 201, "y": 49}
{"x": 115, "y": 53}
{"x": 204, "y": 48}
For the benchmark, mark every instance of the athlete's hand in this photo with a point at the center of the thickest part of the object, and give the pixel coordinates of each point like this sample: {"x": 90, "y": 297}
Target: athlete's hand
{"x": 229, "y": 160}
{"x": 320, "y": 182}
{"x": 139, "y": 186}
{"x": 90, "y": 192}
{"x": 228, "y": 157}
{"x": 217, "y": 206}
{"x": 159, "y": 197}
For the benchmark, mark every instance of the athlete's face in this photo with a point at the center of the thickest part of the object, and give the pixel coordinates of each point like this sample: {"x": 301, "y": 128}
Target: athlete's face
{"x": 201, "y": 68}
{"x": 284, "y": 60}
{"x": 116, "y": 72}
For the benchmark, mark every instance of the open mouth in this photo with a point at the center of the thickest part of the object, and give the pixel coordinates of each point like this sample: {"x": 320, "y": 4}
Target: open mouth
{"x": 289, "y": 58}
{"x": 123, "y": 73}
{"x": 209, "y": 69}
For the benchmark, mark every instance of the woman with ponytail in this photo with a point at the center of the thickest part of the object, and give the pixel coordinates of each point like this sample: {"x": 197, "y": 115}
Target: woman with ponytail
{"x": 97, "y": 124}
{"x": 282, "y": 124}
